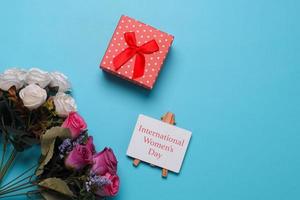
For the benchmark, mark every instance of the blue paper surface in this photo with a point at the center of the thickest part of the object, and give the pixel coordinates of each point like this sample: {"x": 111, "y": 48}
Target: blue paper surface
{"x": 232, "y": 77}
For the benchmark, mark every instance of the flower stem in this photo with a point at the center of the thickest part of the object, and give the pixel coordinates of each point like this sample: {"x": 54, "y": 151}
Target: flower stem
{"x": 16, "y": 184}
{"x": 4, "y": 139}
{"x": 19, "y": 187}
{"x": 8, "y": 164}
{"x": 22, "y": 187}
{"x": 14, "y": 181}
{"x": 21, "y": 194}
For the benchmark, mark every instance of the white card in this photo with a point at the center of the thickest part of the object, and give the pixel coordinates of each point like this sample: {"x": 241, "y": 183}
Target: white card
{"x": 159, "y": 143}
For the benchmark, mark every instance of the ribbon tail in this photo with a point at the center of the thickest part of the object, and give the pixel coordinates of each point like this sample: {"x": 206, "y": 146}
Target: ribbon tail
{"x": 123, "y": 57}
{"x": 139, "y": 66}
{"x": 149, "y": 47}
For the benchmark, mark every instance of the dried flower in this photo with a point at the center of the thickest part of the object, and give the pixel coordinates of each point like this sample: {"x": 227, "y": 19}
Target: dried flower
{"x": 65, "y": 147}
{"x": 111, "y": 187}
{"x": 94, "y": 182}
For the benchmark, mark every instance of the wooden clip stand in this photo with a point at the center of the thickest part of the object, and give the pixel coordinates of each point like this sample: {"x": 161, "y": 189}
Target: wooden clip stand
{"x": 170, "y": 119}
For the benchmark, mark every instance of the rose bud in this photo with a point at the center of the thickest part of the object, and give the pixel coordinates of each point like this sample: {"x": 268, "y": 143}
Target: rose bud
{"x": 75, "y": 123}
{"x": 105, "y": 161}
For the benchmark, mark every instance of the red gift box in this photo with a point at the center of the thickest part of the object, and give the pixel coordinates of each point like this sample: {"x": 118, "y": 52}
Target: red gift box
{"x": 136, "y": 52}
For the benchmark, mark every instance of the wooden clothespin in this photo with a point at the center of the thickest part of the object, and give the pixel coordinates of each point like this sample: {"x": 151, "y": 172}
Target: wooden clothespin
{"x": 167, "y": 118}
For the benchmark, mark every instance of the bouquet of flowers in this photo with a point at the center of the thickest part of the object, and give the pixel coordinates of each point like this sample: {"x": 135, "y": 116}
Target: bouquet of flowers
{"x": 71, "y": 168}
{"x": 36, "y": 107}
{"x": 31, "y": 102}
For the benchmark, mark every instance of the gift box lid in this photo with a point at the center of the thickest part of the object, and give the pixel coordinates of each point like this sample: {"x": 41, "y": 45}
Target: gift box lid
{"x": 136, "y": 52}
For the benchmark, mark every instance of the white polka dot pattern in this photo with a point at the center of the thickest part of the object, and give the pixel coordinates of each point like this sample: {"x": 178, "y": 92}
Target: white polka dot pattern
{"x": 144, "y": 33}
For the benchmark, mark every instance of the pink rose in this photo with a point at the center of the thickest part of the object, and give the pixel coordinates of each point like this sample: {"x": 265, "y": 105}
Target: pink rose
{"x": 90, "y": 145}
{"x": 105, "y": 161}
{"x": 80, "y": 156}
{"x": 110, "y": 189}
{"x": 75, "y": 123}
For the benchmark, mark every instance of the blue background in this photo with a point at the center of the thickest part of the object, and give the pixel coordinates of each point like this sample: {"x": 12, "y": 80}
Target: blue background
{"x": 232, "y": 78}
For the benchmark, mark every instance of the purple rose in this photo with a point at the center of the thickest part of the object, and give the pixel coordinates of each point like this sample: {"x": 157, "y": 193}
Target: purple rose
{"x": 105, "y": 161}
{"x": 111, "y": 188}
{"x": 81, "y": 155}
{"x": 90, "y": 145}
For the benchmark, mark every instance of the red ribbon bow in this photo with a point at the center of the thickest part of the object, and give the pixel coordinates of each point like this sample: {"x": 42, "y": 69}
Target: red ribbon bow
{"x": 139, "y": 65}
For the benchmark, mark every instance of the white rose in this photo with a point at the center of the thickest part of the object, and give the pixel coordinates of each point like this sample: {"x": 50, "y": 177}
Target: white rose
{"x": 20, "y": 73}
{"x": 33, "y": 96}
{"x": 60, "y": 80}
{"x": 64, "y": 104}
{"x": 12, "y": 77}
{"x": 38, "y": 76}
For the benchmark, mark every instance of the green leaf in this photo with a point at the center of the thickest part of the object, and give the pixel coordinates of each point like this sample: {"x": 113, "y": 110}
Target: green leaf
{"x": 57, "y": 185}
{"x": 48, "y": 143}
{"x": 45, "y": 159}
{"x": 50, "y": 136}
